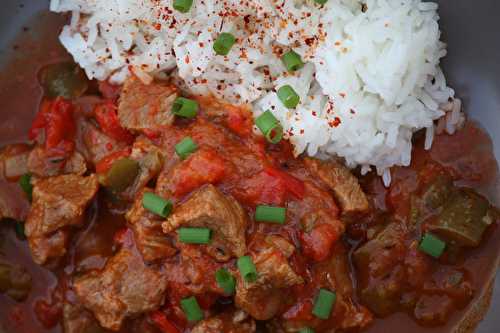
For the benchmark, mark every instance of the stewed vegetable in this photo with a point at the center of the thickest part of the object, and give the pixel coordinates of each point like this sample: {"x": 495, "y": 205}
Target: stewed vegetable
{"x": 65, "y": 79}
{"x": 464, "y": 218}
{"x": 122, "y": 174}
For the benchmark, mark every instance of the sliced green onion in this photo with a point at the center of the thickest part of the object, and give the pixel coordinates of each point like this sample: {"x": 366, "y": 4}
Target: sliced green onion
{"x": 270, "y": 127}
{"x": 321, "y": 2}
{"x": 25, "y": 183}
{"x": 185, "y": 107}
{"x": 270, "y": 214}
{"x": 306, "y": 330}
{"x": 194, "y": 235}
{"x": 324, "y": 303}
{"x": 247, "y": 269}
{"x": 191, "y": 309}
{"x": 432, "y": 245}
{"x": 224, "y": 43}
{"x": 292, "y": 61}
{"x": 225, "y": 281}
{"x": 156, "y": 204}
{"x": 185, "y": 148}
{"x": 183, "y": 6}
{"x": 288, "y": 97}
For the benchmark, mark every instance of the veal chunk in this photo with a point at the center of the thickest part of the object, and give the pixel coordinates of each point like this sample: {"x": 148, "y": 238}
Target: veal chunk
{"x": 227, "y": 322}
{"x": 58, "y": 202}
{"x": 78, "y": 320}
{"x": 40, "y": 163}
{"x": 96, "y": 144}
{"x": 263, "y": 298}
{"x": 209, "y": 208}
{"x": 146, "y": 107}
{"x": 125, "y": 287}
{"x": 148, "y": 234}
{"x": 344, "y": 184}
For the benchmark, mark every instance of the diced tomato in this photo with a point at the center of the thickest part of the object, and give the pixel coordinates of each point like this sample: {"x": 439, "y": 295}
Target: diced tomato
{"x": 106, "y": 162}
{"x": 292, "y": 184}
{"x": 318, "y": 243}
{"x": 271, "y": 186}
{"x": 206, "y": 300}
{"x": 55, "y": 121}
{"x": 262, "y": 188}
{"x": 48, "y": 314}
{"x": 151, "y": 134}
{"x": 239, "y": 120}
{"x": 109, "y": 91}
{"x": 107, "y": 117}
{"x": 162, "y": 322}
{"x": 203, "y": 167}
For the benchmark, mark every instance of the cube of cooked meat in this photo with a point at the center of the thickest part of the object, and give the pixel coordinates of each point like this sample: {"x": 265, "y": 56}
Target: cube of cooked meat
{"x": 148, "y": 234}
{"x": 150, "y": 159}
{"x": 263, "y": 298}
{"x": 209, "y": 208}
{"x": 13, "y": 202}
{"x": 58, "y": 202}
{"x": 344, "y": 184}
{"x": 96, "y": 144}
{"x": 51, "y": 246}
{"x": 125, "y": 287}
{"x": 78, "y": 320}
{"x": 41, "y": 164}
{"x": 146, "y": 107}
{"x": 14, "y": 161}
{"x": 191, "y": 272}
{"x": 237, "y": 321}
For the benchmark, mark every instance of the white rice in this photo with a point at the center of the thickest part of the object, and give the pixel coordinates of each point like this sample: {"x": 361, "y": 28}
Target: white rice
{"x": 371, "y": 80}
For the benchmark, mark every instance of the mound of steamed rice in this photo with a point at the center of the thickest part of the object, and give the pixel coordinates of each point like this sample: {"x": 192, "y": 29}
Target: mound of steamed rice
{"x": 371, "y": 79}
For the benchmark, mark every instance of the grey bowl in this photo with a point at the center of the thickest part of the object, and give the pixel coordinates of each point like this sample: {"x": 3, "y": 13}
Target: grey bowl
{"x": 470, "y": 27}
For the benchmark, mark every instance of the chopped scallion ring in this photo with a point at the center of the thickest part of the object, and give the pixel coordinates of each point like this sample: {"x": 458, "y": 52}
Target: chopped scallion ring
{"x": 270, "y": 214}
{"x": 247, "y": 269}
{"x": 224, "y": 43}
{"x": 194, "y": 235}
{"x": 306, "y": 330}
{"x": 185, "y": 107}
{"x": 270, "y": 127}
{"x": 432, "y": 245}
{"x": 288, "y": 97}
{"x": 186, "y": 147}
{"x": 292, "y": 61}
{"x": 191, "y": 309}
{"x": 225, "y": 281}
{"x": 183, "y": 6}
{"x": 321, "y": 2}
{"x": 324, "y": 303}
{"x": 156, "y": 204}
{"x": 25, "y": 183}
